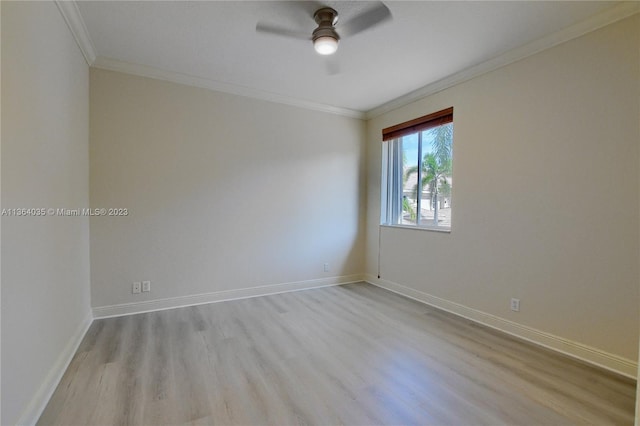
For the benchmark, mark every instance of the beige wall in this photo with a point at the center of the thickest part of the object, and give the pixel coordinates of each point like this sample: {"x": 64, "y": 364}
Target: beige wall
{"x": 637, "y": 420}
{"x": 545, "y": 195}
{"x": 224, "y": 192}
{"x": 45, "y": 159}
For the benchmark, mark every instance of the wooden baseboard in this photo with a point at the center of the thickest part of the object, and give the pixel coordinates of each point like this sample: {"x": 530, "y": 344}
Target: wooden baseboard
{"x": 591, "y": 355}
{"x": 218, "y": 296}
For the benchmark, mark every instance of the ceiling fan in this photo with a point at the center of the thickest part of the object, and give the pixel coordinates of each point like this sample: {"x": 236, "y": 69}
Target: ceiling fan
{"x": 325, "y": 37}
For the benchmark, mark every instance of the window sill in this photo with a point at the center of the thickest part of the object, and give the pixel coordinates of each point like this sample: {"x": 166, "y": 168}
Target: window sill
{"x": 418, "y": 228}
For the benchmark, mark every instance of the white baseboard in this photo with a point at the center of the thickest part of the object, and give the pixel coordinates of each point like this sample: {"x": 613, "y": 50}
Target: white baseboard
{"x": 218, "y": 296}
{"x": 40, "y": 400}
{"x": 591, "y": 355}
{"x": 615, "y": 363}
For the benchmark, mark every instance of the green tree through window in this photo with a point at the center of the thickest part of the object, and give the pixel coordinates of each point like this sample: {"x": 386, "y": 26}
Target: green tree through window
{"x": 436, "y": 168}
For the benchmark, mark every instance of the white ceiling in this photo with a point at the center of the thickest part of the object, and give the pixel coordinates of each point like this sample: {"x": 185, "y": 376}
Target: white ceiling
{"x": 425, "y": 42}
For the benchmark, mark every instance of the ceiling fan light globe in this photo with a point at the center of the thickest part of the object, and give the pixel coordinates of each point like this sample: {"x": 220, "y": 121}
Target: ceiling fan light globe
{"x": 325, "y": 45}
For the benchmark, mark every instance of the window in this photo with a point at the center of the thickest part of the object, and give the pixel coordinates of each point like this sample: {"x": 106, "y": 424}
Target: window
{"x": 417, "y": 169}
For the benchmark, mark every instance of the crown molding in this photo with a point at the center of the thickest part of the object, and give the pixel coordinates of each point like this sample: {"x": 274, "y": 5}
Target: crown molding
{"x": 75, "y": 22}
{"x": 609, "y": 16}
{"x": 73, "y": 18}
{"x": 190, "y": 80}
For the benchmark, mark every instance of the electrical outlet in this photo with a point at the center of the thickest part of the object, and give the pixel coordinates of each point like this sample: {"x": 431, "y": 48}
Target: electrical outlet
{"x": 146, "y": 286}
{"x": 136, "y": 287}
{"x": 326, "y": 267}
{"x": 515, "y": 305}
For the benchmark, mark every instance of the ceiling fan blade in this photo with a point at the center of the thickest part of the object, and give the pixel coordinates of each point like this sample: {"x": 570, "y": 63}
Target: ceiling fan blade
{"x": 308, "y": 6}
{"x": 271, "y": 29}
{"x": 366, "y": 20}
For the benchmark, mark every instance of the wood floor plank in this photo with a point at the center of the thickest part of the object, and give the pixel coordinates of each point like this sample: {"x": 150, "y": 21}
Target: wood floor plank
{"x": 345, "y": 355}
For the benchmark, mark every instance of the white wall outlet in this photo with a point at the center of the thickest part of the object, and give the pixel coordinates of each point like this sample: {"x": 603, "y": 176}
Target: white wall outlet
{"x": 515, "y": 305}
{"x": 326, "y": 267}
{"x": 136, "y": 287}
{"x": 146, "y": 286}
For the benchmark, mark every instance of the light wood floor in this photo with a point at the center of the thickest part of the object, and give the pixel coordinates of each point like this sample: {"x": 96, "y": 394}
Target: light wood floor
{"x": 352, "y": 354}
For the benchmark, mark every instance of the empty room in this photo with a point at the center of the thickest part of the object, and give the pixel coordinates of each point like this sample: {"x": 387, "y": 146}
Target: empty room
{"x": 321, "y": 213}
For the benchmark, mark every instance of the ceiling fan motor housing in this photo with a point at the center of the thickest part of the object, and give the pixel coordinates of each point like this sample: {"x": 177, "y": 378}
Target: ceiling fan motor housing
{"x": 326, "y": 18}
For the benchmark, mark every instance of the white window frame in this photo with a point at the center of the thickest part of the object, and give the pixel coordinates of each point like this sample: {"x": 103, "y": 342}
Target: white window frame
{"x": 391, "y": 176}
